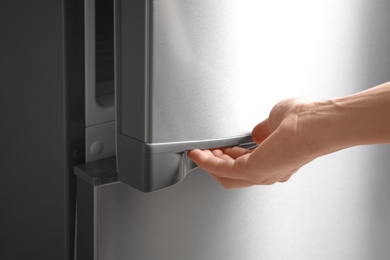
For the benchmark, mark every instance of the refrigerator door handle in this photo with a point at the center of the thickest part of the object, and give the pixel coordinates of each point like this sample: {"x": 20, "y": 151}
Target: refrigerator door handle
{"x": 154, "y": 166}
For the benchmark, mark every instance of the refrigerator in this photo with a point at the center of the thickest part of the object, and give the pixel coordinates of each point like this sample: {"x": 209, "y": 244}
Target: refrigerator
{"x": 200, "y": 74}
{"x": 135, "y": 84}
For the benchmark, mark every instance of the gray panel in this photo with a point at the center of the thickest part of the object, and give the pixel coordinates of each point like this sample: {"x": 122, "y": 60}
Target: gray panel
{"x": 100, "y": 141}
{"x": 335, "y": 208}
{"x": 99, "y": 81}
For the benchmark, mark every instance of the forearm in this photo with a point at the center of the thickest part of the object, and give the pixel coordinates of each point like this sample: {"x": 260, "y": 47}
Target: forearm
{"x": 362, "y": 118}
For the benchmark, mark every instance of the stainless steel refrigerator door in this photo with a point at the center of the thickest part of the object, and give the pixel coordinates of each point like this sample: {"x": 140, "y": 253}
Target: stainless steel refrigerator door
{"x": 193, "y": 72}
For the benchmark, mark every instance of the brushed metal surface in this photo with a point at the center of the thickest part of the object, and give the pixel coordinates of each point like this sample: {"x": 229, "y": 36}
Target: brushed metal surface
{"x": 335, "y": 208}
{"x": 219, "y": 66}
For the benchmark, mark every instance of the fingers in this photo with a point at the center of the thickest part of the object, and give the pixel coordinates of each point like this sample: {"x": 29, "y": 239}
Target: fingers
{"x": 219, "y": 163}
{"x": 235, "y": 152}
{"x": 229, "y": 154}
{"x": 216, "y": 161}
{"x": 211, "y": 161}
{"x": 232, "y": 169}
{"x": 261, "y": 131}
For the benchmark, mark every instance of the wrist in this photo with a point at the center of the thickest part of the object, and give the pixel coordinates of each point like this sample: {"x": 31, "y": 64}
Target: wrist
{"x": 324, "y": 127}
{"x": 339, "y": 123}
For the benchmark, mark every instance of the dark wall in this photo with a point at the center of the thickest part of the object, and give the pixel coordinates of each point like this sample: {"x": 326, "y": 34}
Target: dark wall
{"x": 41, "y": 63}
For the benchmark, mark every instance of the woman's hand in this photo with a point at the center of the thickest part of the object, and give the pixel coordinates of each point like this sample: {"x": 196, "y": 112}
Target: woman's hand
{"x": 282, "y": 150}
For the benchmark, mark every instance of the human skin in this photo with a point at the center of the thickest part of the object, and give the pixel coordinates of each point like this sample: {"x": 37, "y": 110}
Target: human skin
{"x": 298, "y": 131}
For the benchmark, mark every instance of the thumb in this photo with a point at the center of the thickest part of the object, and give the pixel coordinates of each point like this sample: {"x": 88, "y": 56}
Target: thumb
{"x": 261, "y": 131}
